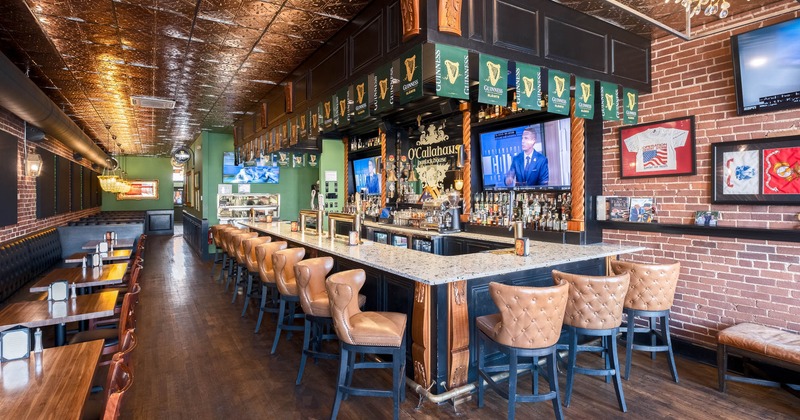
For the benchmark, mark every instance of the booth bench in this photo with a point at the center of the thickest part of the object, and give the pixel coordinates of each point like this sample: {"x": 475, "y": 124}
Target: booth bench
{"x": 757, "y": 342}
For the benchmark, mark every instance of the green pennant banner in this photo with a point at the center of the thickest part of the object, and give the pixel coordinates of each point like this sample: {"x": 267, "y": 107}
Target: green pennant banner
{"x": 293, "y": 131}
{"x": 558, "y": 92}
{"x": 313, "y": 120}
{"x": 609, "y": 97}
{"x": 411, "y": 75}
{"x": 287, "y": 132}
{"x": 383, "y": 93}
{"x": 492, "y": 80}
{"x": 452, "y": 72}
{"x": 327, "y": 115}
{"x": 341, "y": 113}
{"x": 529, "y": 86}
{"x": 584, "y": 97}
{"x": 302, "y": 124}
{"x": 281, "y": 133}
{"x": 630, "y": 108}
{"x": 361, "y": 99}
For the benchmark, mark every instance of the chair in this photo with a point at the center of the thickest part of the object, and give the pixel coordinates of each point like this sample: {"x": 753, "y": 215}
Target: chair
{"x": 113, "y": 336}
{"x": 267, "y": 276}
{"x": 119, "y": 382}
{"x": 251, "y": 265}
{"x": 129, "y": 343}
{"x": 365, "y": 332}
{"x": 225, "y": 241}
{"x": 594, "y": 309}
{"x": 650, "y": 295}
{"x": 283, "y": 262}
{"x": 215, "y": 236}
{"x": 236, "y": 254}
{"x": 528, "y": 325}
{"x": 310, "y": 276}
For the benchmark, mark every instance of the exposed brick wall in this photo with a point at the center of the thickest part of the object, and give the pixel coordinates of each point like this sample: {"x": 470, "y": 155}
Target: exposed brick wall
{"x": 26, "y": 209}
{"x": 723, "y": 281}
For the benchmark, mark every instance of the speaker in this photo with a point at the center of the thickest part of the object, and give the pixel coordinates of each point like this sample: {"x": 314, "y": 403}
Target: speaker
{"x": 384, "y": 126}
{"x": 77, "y": 156}
{"x": 33, "y": 133}
{"x": 448, "y": 107}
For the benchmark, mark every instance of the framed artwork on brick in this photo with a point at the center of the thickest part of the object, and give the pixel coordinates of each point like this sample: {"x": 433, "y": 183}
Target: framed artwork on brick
{"x": 763, "y": 171}
{"x": 664, "y": 148}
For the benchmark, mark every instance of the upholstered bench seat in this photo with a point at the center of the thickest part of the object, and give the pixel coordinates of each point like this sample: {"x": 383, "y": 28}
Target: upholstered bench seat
{"x": 758, "y": 342}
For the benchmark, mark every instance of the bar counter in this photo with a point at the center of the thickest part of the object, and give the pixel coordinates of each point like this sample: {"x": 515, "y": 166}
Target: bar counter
{"x": 442, "y": 295}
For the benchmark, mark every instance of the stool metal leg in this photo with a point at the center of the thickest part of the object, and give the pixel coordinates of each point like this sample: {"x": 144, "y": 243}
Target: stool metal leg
{"x": 248, "y": 293}
{"x": 236, "y": 283}
{"x": 722, "y": 366}
{"x": 629, "y": 343}
{"x": 343, "y": 369}
{"x": 552, "y": 378}
{"x": 262, "y": 308}
{"x": 614, "y": 362}
{"x": 481, "y": 382}
{"x": 281, "y": 312}
{"x": 222, "y": 267}
{"x": 303, "y": 354}
{"x": 653, "y": 336}
{"x": 572, "y": 360}
{"x": 512, "y": 383}
{"x": 665, "y": 332}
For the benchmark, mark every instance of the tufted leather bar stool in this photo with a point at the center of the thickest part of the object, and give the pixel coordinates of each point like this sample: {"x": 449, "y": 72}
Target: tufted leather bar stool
{"x": 251, "y": 266}
{"x": 215, "y": 235}
{"x": 236, "y": 254}
{"x": 594, "y": 309}
{"x": 283, "y": 263}
{"x": 365, "y": 332}
{"x": 528, "y": 325}
{"x": 267, "y": 276}
{"x": 650, "y": 295}
{"x": 224, "y": 240}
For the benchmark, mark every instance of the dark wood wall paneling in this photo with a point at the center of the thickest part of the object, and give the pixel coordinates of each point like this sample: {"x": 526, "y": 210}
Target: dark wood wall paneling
{"x": 76, "y": 174}
{"x": 367, "y": 44}
{"x": 46, "y": 186}
{"x": 627, "y": 61}
{"x": 8, "y": 179}
{"x": 96, "y": 193}
{"x": 86, "y": 197}
{"x": 300, "y": 88}
{"x": 516, "y": 27}
{"x": 63, "y": 183}
{"x": 567, "y": 43}
{"x": 275, "y": 108}
{"x": 329, "y": 73}
{"x": 393, "y": 27}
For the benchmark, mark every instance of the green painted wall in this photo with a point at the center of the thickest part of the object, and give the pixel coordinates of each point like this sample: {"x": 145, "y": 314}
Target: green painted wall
{"x": 332, "y": 159}
{"x": 144, "y": 168}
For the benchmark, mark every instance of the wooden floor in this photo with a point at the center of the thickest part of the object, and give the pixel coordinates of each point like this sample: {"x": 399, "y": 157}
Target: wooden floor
{"x": 198, "y": 359}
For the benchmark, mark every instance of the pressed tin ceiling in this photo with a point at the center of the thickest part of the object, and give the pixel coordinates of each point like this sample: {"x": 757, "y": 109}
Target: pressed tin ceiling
{"x": 215, "y": 58}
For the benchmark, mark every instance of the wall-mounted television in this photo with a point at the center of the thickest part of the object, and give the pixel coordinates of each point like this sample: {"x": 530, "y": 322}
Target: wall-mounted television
{"x": 367, "y": 175}
{"x": 257, "y": 171}
{"x": 766, "y": 64}
{"x": 527, "y": 156}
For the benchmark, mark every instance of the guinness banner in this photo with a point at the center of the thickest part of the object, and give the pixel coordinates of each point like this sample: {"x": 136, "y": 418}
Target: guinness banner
{"x": 584, "y": 97}
{"x": 529, "y": 86}
{"x": 316, "y": 111}
{"x": 361, "y": 99}
{"x": 341, "y": 113}
{"x": 327, "y": 115}
{"x": 452, "y": 72}
{"x": 609, "y": 97}
{"x": 558, "y": 92}
{"x": 384, "y": 98}
{"x": 289, "y": 133}
{"x": 630, "y": 108}
{"x": 411, "y": 75}
{"x": 492, "y": 80}
{"x": 302, "y": 124}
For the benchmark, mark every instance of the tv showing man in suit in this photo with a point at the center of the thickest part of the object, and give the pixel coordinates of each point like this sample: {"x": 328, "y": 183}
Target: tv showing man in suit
{"x": 528, "y": 167}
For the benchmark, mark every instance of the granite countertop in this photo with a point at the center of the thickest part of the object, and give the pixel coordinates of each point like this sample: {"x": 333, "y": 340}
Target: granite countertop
{"x": 405, "y": 230}
{"x": 438, "y": 269}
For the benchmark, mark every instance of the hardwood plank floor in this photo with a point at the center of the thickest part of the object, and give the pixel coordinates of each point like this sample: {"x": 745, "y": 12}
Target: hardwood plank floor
{"x": 198, "y": 359}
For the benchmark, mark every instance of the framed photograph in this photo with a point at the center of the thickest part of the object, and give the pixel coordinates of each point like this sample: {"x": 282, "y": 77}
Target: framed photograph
{"x": 763, "y": 171}
{"x": 618, "y": 208}
{"x": 141, "y": 190}
{"x": 707, "y": 218}
{"x": 642, "y": 210}
{"x": 664, "y": 148}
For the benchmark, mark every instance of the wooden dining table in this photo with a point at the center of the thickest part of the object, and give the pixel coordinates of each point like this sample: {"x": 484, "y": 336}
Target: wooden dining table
{"x": 41, "y": 313}
{"x": 106, "y": 275}
{"x": 115, "y": 255}
{"x": 119, "y": 243}
{"x": 52, "y": 384}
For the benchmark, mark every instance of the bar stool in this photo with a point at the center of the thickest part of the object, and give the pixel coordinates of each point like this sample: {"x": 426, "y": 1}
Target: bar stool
{"x": 248, "y": 249}
{"x": 236, "y": 254}
{"x": 267, "y": 276}
{"x": 650, "y": 295}
{"x": 594, "y": 308}
{"x": 528, "y": 325}
{"x": 365, "y": 332}
{"x": 215, "y": 230}
{"x": 283, "y": 262}
{"x": 227, "y": 262}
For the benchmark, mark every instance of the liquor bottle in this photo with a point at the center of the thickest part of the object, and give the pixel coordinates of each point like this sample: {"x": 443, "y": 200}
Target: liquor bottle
{"x": 514, "y": 103}
{"x": 481, "y": 114}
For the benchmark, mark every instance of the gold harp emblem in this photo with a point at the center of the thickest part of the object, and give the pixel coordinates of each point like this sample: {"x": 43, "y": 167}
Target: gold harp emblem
{"x": 494, "y": 72}
{"x": 302, "y": 122}
{"x": 609, "y": 101}
{"x": 327, "y": 106}
{"x": 343, "y": 108}
{"x": 586, "y": 91}
{"x": 452, "y": 70}
{"x": 384, "y": 85}
{"x": 560, "y": 84}
{"x": 411, "y": 65}
{"x": 314, "y": 119}
{"x": 631, "y": 100}
{"x": 360, "y": 92}
{"x": 527, "y": 86}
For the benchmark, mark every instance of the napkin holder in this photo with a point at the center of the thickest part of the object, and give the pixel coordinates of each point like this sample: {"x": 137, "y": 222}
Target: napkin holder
{"x": 15, "y": 343}
{"x": 58, "y": 291}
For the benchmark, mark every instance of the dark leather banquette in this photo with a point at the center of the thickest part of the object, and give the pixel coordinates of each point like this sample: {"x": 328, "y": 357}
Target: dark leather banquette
{"x": 25, "y": 258}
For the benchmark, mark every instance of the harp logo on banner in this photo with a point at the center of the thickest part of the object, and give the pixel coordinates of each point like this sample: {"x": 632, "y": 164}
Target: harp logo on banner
{"x": 630, "y": 114}
{"x": 361, "y": 107}
{"x": 383, "y": 94}
{"x": 559, "y": 85}
{"x": 452, "y": 70}
{"x": 558, "y": 101}
{"x": 384, "y": 86}
{"x": 584, "y": 98}
{"x": 343, "y": 107}
{"x": 360, "y": 90}
{"x": 494, "y": 72}
{"x": 411, "y": 86}
{"x": 586, "y": 91}
{"x": 529, "y": 85}
{"x": 302, "y": 123}
{"x": 411, "y": 65}
{"x": 327, "y": 110}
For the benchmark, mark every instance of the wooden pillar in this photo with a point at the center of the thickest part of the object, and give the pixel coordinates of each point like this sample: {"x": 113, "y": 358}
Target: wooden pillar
{"x": 457, "y": 334}
{"x": 346, "y": 141}
{"x": 421, "y": 335}
{"x": 578, "y": 169}
{"x": 466, "y": 143}
{"x": 383, "y": 167}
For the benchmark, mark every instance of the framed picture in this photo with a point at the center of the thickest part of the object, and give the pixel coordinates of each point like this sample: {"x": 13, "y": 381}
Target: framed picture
{"x": 763, "y": 171}
{"x": 664, "y": 148}
{"x": 141, "y": 190}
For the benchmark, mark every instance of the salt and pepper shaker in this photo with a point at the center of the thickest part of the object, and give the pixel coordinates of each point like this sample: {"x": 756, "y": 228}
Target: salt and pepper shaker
{"x": 37, "y": 347}
{"x": 73, "y": 292}
{"x": 83, "y": 262}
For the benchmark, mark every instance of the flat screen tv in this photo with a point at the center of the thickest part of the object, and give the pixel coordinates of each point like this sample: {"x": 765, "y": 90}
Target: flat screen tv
{"x": 528, "y": 157}
{"x": 257, "y": 171}
{"x": 766, "y": 65}
{"x": 367, "y": 175}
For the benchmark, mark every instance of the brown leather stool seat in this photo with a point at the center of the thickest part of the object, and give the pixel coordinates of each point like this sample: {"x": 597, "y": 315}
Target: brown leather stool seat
{"x": 283, "y": 263}
{"x": 365, "y": 332}
{"x": 650, "y": 295}
{"x": 269, "y": 290}
{"x": 225, "y": 236}
{"x": 528, "y": 325}
{"x": 251, "y": 266}
{"x": 215, "y": 235}
{"x": 236, "y": 249}
{"x": 594, "y": 309}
